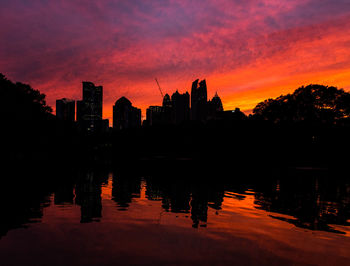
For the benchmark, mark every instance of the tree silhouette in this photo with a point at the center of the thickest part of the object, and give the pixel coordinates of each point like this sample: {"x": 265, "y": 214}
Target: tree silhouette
{"x": 32, "y": 135}
{"x": 21, "y": 102}
{"x": 311, "y": 103}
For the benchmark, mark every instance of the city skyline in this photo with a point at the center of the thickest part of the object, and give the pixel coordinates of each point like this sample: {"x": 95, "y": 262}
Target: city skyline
{"x": 248, "y": 51}
{"x": 177, "y": 109}
{"x": 175, "y": 132}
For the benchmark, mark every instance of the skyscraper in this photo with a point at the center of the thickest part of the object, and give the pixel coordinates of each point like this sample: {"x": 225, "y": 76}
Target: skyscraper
{"x": 214, "y": 106}
{"x": 160, "y": 115}
{"x": 125, "y": 115}
{"x": 181, "y": 107}
{"x": 167, "y": 110}
{"x": 65, "y": 109}
{"x": 155, "y": 115}
{"x": 89, "y": 109}
{"x": 199, "y": 100}
{"x": 167, "y": 101}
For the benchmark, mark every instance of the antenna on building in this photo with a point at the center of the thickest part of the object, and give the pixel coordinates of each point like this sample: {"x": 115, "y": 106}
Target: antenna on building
{"x": 159, "y": 88}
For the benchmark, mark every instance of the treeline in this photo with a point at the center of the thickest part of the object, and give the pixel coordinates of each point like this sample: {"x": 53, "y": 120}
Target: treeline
{"x": 312, "y": 104}
{"x": 31, "y": 133}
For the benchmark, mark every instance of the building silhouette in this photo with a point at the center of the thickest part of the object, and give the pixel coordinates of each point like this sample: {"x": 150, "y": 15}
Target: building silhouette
{"x": 199, "y": 100}
{"x": 155, "y": 115}
{"x": 167, "y": 110}
{"x": 125, "y": 115}
{"x": 167, "y": 103}
{"x": 89, "y": 109}
{"x": 177, "y": 109}
{"x": 231, "y": 115}
{"x": 65, "y": 109}
{"x": 214, "y": 107}
{"x": 174, "y": 110}
{"x": 180, "y": 107}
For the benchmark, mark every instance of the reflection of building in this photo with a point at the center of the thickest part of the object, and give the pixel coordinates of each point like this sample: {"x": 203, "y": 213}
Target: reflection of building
{"x": 153, "y": 191}
{"x": 124, "y": 190}
{"x": 89, "y": 109}
{"x": 125, "y": 115}
{"x": 181, "y": 107}
{"x": 199, "y": 100}
{"x": 216, "y": 198}
{"x": 65, "y": 109}
{"x": 88, "y": 196}
{"x": 199, "y": 209}
{"x": 64, "y": 194}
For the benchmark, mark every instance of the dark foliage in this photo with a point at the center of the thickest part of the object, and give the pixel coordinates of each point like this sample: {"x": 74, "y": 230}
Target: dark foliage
{"x": 21, "y": 102}
{"x": 313, "y": 103}
{"x": 31, "y": 132}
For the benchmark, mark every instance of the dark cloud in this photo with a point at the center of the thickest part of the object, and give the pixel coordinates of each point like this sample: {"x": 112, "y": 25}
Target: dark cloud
{"x": 56, "y": 44}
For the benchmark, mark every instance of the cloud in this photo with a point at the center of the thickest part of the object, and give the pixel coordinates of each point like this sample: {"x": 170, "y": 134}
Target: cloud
{"x": 242, "y": 46}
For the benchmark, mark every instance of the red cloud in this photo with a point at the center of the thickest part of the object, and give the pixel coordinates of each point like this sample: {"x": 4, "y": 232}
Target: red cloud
{"x": 247, "y": 50}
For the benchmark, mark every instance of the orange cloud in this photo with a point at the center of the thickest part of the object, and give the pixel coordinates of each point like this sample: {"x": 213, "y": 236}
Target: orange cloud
{"x": 247, "y": 50}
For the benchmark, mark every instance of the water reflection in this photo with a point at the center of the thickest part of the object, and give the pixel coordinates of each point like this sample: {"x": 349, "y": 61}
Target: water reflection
{"x": 314, "y": 200}
{"x": 124, "y": 189}
{"x": 88, "y": 195}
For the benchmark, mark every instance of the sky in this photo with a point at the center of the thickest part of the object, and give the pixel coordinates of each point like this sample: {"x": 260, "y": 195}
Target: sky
{"x": 247, "y": 50}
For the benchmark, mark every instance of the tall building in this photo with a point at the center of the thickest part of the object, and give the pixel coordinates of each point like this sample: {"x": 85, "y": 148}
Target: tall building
{"x": 181, "y": 107}
{"x": 65, "y": 109}
{"x": 155, "y": 115}
{"x": 125, "y": 115}
{"x": 160, "y": 115}
{"x": 167, "y": 110}
{"x": 199, "y": 100}
{"x": 167, "y": 101}
{"x": 89, "y": 109}
{"x": 214, "y": 106}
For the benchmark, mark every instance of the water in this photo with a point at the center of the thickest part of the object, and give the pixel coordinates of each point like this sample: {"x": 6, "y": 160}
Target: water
{"x": 95, "y": 217}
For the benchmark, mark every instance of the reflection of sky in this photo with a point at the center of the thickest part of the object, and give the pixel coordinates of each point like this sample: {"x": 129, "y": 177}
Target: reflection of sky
{"x": 247, "y": 50}
{"x": 146, "y": 234}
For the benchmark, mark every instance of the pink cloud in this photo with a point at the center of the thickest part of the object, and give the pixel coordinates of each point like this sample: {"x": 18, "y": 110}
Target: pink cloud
{"x": 124, "y": 45}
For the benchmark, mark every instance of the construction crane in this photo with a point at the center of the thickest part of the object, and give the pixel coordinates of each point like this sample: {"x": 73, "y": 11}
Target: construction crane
{"x": 159, "y": 88}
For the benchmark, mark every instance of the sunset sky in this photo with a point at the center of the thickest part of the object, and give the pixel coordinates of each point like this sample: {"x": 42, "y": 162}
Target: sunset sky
{"x": 247, "y": 50}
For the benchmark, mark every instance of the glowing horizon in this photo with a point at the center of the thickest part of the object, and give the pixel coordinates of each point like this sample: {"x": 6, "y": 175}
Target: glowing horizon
{"x": 247, "y": 51}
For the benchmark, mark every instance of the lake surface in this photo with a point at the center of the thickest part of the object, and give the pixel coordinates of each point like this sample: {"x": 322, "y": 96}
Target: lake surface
{"x": 92, "y": 217}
